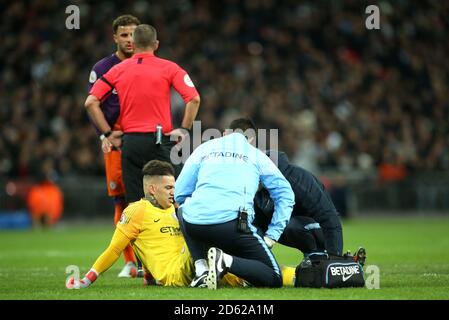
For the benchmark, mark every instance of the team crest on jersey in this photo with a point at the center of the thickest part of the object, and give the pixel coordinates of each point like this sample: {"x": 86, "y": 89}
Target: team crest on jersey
{"x": 112, "y": 185}
{"x": 188, "y": 81}
{"x": 122, "y": 219}
{"x": 92, "y": 76}
{"x": 114, "y": 91}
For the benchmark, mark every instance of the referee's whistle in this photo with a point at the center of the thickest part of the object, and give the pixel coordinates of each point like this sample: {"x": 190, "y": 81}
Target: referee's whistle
{"x": 158, "y": 134}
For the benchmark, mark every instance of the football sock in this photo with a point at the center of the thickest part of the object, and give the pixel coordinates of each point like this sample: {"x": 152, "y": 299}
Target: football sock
{"x": 119, "y": 206}
{"x": 227, "y": 260}
{"x": 200, "y": 267}
{"x": 288, "y": 276}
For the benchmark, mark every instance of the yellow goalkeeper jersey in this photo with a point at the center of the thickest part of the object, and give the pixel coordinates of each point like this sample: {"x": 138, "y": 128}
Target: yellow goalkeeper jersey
{"x": 158, "y": 242}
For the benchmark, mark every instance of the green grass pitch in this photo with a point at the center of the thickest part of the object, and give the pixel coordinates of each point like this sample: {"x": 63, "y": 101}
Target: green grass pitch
{"x": 412, "y": 255}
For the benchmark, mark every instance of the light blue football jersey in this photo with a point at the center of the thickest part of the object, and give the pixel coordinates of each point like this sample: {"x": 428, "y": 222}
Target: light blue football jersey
{"x": 222, "y": 176}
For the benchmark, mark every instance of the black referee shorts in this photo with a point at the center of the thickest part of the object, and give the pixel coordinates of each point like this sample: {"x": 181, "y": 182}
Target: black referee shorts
{"x": 137, "y": 150}
{"x": 253, "y": 261}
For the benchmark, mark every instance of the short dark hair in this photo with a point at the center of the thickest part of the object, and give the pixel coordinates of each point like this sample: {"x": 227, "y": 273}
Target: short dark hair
{"x": 158, "y": 168}
{"x": 242, "y": 124}
{"x": 144, "y": 36}
{"x": 124, "y": 20}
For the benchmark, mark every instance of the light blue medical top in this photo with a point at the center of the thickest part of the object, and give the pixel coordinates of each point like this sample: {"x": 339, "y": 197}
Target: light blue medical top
{"x": 223, "y": 175}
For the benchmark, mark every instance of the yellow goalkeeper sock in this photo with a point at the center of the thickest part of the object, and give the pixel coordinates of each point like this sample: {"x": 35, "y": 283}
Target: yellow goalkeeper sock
{"x": 288, "y": 276}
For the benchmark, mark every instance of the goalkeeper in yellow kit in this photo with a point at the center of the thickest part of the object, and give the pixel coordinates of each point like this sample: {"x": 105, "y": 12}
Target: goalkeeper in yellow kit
{"x": 152, "y": 228}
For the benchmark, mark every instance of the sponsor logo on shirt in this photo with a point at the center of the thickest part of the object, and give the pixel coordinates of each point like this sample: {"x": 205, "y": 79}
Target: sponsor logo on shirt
{"x": 174, "y": 231}
{"x": 217, "y": 154}
{"x": 112, "y": 185}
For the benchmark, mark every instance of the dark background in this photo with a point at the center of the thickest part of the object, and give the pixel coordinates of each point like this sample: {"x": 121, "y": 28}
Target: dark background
{"x": 365, "y": 110}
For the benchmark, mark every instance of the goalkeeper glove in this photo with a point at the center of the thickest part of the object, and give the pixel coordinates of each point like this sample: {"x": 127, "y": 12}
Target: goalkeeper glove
{"x": 270, "y": 242}
{"x": 88, "y": 279}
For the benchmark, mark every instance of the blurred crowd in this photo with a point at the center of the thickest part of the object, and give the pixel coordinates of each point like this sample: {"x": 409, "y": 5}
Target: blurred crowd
{"x": 344, "y": 98}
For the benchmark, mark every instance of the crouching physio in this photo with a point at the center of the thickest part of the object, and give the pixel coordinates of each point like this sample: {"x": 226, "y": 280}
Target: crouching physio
{"x": 215, "y": 191}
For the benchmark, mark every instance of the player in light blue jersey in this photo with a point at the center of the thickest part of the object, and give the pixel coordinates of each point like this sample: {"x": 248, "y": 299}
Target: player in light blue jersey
{"x": 215, "y": 191}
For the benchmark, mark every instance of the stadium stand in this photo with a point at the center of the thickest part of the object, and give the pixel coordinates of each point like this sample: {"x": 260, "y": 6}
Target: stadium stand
{"x": 344, "y": 98}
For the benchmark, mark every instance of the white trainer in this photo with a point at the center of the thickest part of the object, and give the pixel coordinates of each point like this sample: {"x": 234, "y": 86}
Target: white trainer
{"x": 128, "y": 271}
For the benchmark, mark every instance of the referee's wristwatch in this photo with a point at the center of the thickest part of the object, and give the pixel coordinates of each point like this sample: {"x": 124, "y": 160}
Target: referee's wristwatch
{"x": 105, "y": 135}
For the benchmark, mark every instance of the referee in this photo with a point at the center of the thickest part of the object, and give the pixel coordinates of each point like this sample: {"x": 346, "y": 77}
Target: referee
{"x": 143, "y": 85}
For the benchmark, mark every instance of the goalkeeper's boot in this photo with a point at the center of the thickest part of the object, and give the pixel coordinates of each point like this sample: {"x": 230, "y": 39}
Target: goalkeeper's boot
{"x": 128, "y": 271}
{"x": 360, "y": 256}
{"x": 72, "y": 284}
{"x": 88, "y": 279}
{"x": 199, "y": 281}
{"x": 348, "y": 254}
{"x": 217, "y": 267}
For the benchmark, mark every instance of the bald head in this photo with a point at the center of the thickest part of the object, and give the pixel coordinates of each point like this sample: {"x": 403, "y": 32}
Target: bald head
{"x": 145, "y": 37}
